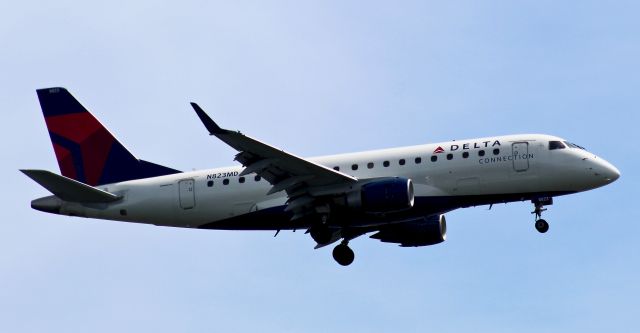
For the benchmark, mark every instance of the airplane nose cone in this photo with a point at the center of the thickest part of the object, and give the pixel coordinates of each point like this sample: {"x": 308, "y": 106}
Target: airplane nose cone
{"x": 606, "y": 170}
{"x": 612, "y": 173}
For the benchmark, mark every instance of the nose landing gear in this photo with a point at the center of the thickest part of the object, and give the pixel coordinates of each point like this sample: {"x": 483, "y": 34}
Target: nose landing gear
{"x": 541, "y": 225}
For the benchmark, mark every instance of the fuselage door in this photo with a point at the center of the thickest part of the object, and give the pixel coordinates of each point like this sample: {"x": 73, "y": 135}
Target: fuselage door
{"x": 520, "y": 156}
{"x": 187, "y": 194}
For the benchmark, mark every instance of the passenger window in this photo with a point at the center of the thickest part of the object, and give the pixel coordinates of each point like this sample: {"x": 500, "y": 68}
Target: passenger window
{"x": 354, "y": 167}
{"x": 337, "y": 168}
{"x": 465, "y": 154}
{"x": 553, "y": 145}
{"x": 449, "y": 157}
{"x": 434, "y": 158}
{"x": 210, "y": 183}
{"x": 257, "y": 178}
{"x": 496, "y": 151}
{"x": 370, "y": 165}
{"x": 418, "y": 160}
{"x": 225, "y": 181}
{"x": 241, "y": 180}
{"x": 481, "y": 153}
{"x": 402, "y": 161}
{"x": 385, "y": 164}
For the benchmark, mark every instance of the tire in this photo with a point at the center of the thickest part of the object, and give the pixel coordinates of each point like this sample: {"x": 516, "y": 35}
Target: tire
{"x": 343, "y": 255}
{"x": 542, "y": 226}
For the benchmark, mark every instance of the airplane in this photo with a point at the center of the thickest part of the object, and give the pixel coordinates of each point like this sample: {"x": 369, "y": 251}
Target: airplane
{"x": 398, "y": 195}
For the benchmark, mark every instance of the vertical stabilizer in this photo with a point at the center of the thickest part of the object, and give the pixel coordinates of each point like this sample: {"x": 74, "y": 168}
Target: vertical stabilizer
{"x": 86, "y": 150}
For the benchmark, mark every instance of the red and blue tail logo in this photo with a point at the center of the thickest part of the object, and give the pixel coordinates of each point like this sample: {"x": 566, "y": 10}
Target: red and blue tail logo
{"x": 85, "y": 149}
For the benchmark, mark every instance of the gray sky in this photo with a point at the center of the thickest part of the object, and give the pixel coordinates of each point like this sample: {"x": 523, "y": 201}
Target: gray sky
{"x": 320, "y": 78}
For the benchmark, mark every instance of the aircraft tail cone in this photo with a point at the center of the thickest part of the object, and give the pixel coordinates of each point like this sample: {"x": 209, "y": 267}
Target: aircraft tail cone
{"x": 50, "y": 204}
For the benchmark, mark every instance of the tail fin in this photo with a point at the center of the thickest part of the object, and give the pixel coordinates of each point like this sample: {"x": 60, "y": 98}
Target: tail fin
{"x": 85, "y": 149}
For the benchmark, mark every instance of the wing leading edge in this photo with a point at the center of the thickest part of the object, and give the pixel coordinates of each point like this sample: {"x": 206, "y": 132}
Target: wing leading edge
{"x": 283, "y": 170}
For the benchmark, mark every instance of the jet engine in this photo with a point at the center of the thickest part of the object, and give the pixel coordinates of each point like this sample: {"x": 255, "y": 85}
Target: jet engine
{"x": 384, "y": 195}
{"x": 421, "y": 232}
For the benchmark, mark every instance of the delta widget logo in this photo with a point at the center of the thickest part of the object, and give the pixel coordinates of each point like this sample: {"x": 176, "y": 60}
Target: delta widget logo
{"x": 439, "y": 150}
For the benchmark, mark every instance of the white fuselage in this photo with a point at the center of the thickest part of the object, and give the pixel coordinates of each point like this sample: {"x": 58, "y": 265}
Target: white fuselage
{"x": 512, "y": 168}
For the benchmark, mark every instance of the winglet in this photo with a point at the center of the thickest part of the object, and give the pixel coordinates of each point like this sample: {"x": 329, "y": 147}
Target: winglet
{"x": 211, "y": 125}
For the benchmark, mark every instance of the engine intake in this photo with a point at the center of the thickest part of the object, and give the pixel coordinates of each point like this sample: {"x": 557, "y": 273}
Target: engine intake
{"x": 382, "y": 196}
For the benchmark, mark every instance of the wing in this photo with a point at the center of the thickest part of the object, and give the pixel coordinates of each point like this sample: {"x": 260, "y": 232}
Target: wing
{"x": 300, "y": 178}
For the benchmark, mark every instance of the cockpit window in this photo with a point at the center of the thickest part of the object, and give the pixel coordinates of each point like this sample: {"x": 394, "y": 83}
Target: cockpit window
{"x": 553, "y": 145}
{"x": 573, "y": 145}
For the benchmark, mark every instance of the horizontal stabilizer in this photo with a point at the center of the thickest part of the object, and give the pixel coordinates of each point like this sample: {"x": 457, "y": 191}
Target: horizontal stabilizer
{"x": 68, "y": 189}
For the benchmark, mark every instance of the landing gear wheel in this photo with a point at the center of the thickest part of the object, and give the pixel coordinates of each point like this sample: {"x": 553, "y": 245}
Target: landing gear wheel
{"x": 542, "y": 226}
{"x": 343, "y": 254}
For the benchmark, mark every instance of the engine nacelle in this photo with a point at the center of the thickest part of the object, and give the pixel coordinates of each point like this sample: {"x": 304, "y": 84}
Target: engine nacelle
{"x": 382, "y": 196}
{"x": 421, "y": 232}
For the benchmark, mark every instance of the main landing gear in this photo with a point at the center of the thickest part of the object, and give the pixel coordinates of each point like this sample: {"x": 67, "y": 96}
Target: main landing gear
{"x": 321, "y": 232}
{"x": 324, "y": 235}
{"x": 343, "y": 253}
{"x": 541, "y": 225}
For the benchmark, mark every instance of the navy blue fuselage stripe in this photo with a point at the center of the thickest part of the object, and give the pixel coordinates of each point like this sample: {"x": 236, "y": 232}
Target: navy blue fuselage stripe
{"x": 424, "y": 206}
{"x": 76, "y": 154}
